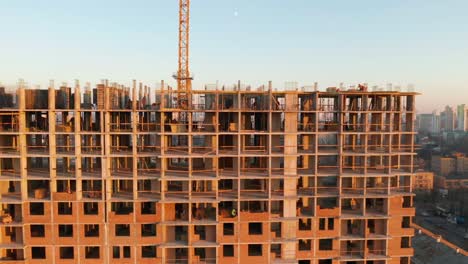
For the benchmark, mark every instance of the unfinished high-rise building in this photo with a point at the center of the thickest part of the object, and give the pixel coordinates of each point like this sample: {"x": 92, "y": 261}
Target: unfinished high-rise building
{"x": 238, "y": 175}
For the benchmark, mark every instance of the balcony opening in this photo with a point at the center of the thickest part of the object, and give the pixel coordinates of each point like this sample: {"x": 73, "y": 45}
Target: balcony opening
{"x": 91, "y": 167}
{"x": 65, "y": 230}
{"x": 181, "y": 233}
{"x": 352, "y": 227}
{"x": 305, "y": 206}
{"x": 91, "y": 230}
{"x": 148, "y": 251}
{"x": 92, "y": 189}
{"x": 37, "y": 144}
{"x": 304, "y": 261}
{"x": 65, "y": 208}
{"x": 228, "y": 229}
{"x": 228, "y": 250}
{"x": 200, "y": 231}
{"x": 122, "y": 208}
{"x": 225, "y": 185}
{"x": 148, "y": 230}
{"x": 405, "y": 242}
{"x": 254, "y": 121}
{"x": 277, "y": 209}
{"x": 406, "y": 222}
{"x": 203, "y": 211}
{"x": 122, "y": 230}
{"x": 275, "y": 228}
{"x": 65, "y": 166}
{"x": 228, "y": 122}
{"x": 254, "y": 207}
{"x": 9, "y": 167}
{"x": 375, "y": 205}
{"x": 305, "y": 224}
{"x": 67, "y": 253}
{"x": 92, "y": 252}
{"x": 66, "y": 186}
{"x": 305, "y": 244}
{"x": 91, "y": 208}
{"x": 122, "y": 189}
{"x": 227, "y": 209}
{"x": 407, "y": 202}
{"x": 255, "y": 229}
{"x": 405, "y": 260}
{"x": 325, "y": 261}
{"x": 148, "y": 208}
{"x": 275, "y": 250}
{"x": 37, "y": 121}
{"x": 325, "y": 244}
{"x": 36, "y": 208}
{"x": 177, "y": 144}
{"x": 255, "y": 250}
{"x": 38, "y": 166}
{"x": 327, "y": 185}
{"x": 328, "y": 164}
{"x": 327, "y": 203}
{"x": 37, "y": 230}
{"x": 38, "y": 252}
{"x": 227, "y": 144}
{"x": 38, "y": 189}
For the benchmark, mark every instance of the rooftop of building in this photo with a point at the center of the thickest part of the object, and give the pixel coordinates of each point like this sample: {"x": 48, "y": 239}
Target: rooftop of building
{"x": 428, "y": 251}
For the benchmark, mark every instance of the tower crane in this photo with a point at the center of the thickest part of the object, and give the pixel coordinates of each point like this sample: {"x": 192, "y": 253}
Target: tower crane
{"x": 183, "y": 77}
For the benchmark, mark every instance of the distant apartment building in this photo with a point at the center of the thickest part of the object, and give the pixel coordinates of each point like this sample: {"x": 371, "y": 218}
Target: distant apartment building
{"x": 428, "y": 123}
{"x": 457, "y": 164}
{"x": 447, "y": 119}
{"x": 462, "y": 117}
{"x": 452, "y": 182}
{"x": 423, "y": 181}
{"x": 443, "y": 165}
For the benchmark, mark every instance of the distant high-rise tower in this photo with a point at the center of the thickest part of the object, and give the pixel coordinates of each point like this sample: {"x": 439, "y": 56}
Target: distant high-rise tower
{"x": 462, "y": 120}
{"x": 447, "y": 119}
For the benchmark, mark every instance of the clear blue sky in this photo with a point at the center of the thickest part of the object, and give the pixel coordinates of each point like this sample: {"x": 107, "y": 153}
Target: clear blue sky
{"x": 420, "y": 42}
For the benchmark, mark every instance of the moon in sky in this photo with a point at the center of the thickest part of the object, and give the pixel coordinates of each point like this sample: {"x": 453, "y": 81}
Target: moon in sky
{"x": 236, "y": 13}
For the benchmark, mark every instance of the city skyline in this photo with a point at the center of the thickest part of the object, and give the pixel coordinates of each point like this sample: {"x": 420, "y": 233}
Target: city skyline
{"x": 416, "y": 43}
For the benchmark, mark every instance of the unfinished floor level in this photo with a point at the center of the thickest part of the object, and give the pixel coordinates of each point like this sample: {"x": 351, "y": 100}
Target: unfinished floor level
{"x": 113, "y": 174}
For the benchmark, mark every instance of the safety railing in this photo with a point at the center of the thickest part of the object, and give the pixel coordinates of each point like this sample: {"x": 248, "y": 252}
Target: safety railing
{"x": 204, "y": 127}
{"x": 149, "y": 172}
{"x": 91, "y": 149}
{"x": 148, "y": 148}
{"x": 250, "y": 149}
{"x": 10, "y": 173}
{"x": 6, "y": 196}
{"x": 306, "y": 127}
{"x": 148, "y": 194}
{"x": 38, "y": 149}
{"x": 9, "y": 127}
{"x": 175, "y": 127}
{"x": 254, "y": 172}
{"x": 182, "y": 150}
{"x": 96, "y": 194}
{"x": 354, "y": 127}
{"x": 176, "y": 173}
{"x": 121, "y": 127}
{"x": 203, "y": 150}
{"x": 121, "y": 149}
{"x": 148, "y": 127}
